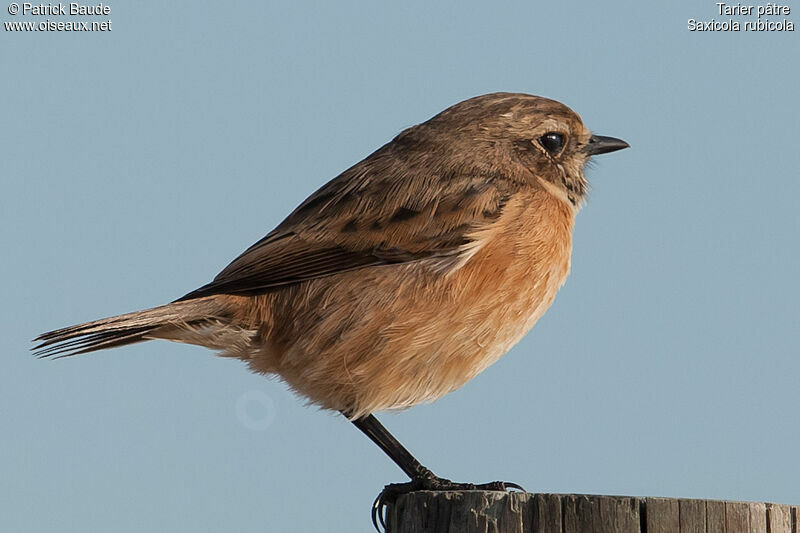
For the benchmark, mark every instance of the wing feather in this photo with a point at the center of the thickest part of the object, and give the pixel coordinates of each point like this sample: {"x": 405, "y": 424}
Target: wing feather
{"x": 382, "y": 211}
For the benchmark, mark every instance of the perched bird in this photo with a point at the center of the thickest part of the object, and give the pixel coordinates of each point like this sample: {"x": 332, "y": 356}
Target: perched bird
{"x": 401, "y": 279}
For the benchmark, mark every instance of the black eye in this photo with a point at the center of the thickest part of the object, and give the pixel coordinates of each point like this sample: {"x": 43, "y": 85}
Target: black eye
{"x": 552, "y": 142}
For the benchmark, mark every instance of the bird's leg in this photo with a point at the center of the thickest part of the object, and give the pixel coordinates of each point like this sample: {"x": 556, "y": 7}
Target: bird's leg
{"x": 421, "y": 478}
{"x": 378, "y": 434}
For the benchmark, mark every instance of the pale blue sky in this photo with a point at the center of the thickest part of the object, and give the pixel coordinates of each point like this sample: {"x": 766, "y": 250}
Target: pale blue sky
{"x": 137, "y": 163}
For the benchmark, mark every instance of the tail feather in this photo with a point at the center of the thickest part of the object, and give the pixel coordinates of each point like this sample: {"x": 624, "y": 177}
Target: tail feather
{"x": 127, "y": 329}
{"x": 61, "y": 347}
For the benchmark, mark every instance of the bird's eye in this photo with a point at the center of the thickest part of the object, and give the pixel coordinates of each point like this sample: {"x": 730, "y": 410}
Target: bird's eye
{"x": 552, "y": 142}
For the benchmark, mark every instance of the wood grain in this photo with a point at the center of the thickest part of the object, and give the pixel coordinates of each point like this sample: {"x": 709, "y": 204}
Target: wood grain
{"x": 497, "y": 512}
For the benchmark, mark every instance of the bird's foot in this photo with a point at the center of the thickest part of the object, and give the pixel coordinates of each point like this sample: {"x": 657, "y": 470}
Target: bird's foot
{"x": 427, "y": 481}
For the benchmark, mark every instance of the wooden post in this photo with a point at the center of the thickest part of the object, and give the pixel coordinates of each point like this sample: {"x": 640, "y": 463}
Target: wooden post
{"x": 517, "y": 512}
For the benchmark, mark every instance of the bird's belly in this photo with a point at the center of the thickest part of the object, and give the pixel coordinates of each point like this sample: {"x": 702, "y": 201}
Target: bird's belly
{"x": 458, "y": 342}
{"x": 393, "y": 337}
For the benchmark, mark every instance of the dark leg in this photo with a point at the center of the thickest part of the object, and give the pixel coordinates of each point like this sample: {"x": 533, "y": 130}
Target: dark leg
{"x": 392, "y": 447}
{"x": 421, "y": 477}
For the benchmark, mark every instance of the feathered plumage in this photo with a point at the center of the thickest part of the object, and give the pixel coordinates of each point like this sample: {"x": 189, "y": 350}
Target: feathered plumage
{"x": 405, "y": 276}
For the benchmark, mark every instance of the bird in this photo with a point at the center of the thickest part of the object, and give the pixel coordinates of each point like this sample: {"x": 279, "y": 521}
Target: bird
{"x": 401, "y": 279}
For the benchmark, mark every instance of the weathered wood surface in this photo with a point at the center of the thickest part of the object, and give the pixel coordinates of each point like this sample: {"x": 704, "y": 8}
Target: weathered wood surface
{"x": 515, "y": 512}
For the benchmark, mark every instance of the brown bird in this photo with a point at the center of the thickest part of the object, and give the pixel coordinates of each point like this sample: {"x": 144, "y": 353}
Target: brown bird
{"x": 401, "y": 279}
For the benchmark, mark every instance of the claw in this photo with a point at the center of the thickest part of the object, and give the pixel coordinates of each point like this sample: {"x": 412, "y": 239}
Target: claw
{"x": 501, "y": 486}
{"x": 510, "y": 485}
{"x": 378, "y": 510}
{"x": 387, "y": 496}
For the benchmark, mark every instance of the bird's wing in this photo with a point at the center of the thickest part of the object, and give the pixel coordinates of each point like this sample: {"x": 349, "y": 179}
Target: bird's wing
{"x": 359, "y": 220}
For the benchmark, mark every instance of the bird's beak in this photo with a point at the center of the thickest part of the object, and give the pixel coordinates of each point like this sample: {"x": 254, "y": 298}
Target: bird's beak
{"x": 603, "y": 145}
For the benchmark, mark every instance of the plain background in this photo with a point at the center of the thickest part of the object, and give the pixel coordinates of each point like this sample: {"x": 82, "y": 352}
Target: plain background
{"x": 137, "y": 163}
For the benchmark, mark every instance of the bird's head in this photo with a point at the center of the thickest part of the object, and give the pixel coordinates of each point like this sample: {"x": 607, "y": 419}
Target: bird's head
{"x": 518, "y": 137}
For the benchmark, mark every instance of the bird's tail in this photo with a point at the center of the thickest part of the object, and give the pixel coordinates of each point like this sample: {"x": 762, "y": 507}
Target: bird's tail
{"x": 170, "y": 322}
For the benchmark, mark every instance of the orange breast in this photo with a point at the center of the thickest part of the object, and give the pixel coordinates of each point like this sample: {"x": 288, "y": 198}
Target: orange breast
{"x": 392, "y": 337}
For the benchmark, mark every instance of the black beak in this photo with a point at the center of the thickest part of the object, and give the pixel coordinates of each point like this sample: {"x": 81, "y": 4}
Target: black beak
{"x": 603, "y": 145}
